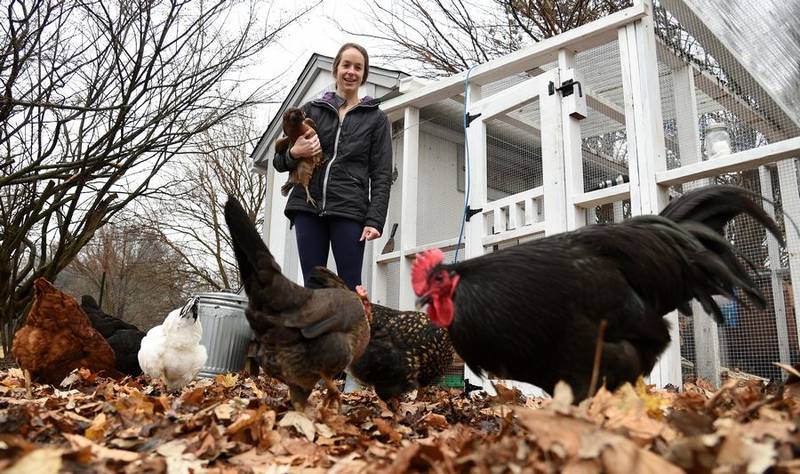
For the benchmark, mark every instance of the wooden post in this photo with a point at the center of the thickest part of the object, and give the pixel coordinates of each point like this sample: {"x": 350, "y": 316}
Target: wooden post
{"x": 278, "y": 227}
{"x": 790, "y": 197}
{"x": 553, "y": 157}
{"x": 643, "y": 122}
{"x": 476, "y": 141}
{"x": 408, "y": 196}
{"x": 706, "y": 332}
{"x": 573, "y": 154}
{"x": 781, "y": 326}
{"x": 474, "y": 229}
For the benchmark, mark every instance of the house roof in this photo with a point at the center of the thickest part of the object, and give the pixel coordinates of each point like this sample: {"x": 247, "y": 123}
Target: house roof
{"x": 316, "y": 65}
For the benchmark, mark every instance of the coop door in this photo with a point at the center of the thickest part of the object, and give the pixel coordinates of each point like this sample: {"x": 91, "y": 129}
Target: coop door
{"x": 512, "y": 145}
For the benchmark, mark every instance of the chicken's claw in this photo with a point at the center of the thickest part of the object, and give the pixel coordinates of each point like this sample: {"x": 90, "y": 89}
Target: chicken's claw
{"x": 333, "y": 395}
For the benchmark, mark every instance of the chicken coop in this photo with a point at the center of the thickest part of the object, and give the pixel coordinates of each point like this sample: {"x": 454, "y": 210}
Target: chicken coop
{"x": 603, "y": 122}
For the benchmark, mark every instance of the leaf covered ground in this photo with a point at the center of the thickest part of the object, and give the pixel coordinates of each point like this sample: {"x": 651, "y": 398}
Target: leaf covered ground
{"x": 234, "y": 423}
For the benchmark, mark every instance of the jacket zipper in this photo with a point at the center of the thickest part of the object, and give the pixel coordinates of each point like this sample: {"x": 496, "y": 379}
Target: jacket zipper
{"x": 328, "y": 168}
{"x": 335, "y": 155}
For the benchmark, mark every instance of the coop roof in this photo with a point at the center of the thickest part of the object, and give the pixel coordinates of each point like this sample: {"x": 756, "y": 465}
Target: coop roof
{"x": 745, "y": 59}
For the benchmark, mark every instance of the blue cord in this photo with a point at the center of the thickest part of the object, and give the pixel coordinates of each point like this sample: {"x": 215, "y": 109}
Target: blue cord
{"x": 467, "y": 180}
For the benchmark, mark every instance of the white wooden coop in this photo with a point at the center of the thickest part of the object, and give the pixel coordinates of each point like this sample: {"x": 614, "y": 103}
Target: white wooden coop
{"x": 540, "y": 157}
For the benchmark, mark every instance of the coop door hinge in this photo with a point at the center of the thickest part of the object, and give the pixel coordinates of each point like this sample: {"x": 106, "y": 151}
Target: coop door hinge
{"x": 469, "y": 118}
{"x": 471, "y": 212}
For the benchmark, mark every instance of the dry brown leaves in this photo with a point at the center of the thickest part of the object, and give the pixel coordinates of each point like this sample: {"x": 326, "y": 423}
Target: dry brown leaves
{"x": 235, "y": 423}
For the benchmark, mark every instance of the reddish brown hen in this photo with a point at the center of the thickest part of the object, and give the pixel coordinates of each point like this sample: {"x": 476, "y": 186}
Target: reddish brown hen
{"x": 58, "y": 338}
{"x": 296, "y": 125}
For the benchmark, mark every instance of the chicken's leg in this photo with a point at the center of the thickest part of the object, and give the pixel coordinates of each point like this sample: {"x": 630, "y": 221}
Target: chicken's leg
{"x": 299, "y": 397}
{"x": 309, "y": 199}
{"x": 333, "y": 394}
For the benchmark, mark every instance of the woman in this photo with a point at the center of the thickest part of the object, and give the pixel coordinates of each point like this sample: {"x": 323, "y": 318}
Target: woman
{"x": 351, "y": 187}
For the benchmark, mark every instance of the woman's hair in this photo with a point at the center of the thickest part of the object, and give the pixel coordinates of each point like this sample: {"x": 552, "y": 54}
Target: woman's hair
{"x": 358, "y": 48}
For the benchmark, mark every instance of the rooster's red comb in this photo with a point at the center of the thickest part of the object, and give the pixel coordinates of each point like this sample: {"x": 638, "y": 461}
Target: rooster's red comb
{"x": 423, "y": 264}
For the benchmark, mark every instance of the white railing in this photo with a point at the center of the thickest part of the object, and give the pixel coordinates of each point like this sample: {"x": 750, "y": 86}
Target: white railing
{"x": 513, "y": 217}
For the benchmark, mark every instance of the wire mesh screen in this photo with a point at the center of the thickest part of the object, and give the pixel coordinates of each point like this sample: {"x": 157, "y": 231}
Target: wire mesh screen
{"x": 440, "y": 196}
{"x": 712, "y": 106}
{"x": 727, "y": 94}
{"x": 752, "y": 338}
{"x": 513, "y": 153}
{"x": 603, "y": 134}
{"x": 392, "y": 284}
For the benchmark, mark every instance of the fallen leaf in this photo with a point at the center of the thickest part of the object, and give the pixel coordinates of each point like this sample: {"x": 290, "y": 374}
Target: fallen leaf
{"x": 738, "y": 452}
{"x": 386, "y": 429}
{"x": 228, "y": 380}
{"x": 435, "y": 420}
{"x": 178, "y": 460}
{"x": 40, "y": 461}
{"x": 562, "y": 397}
{"x": 323, "y": 430}
{"x": 224, "y": 411}
{"x": 193, "y": 397}
{"x": 97, "y": 430}
{"x": 81, "y": 442}
{"x": 300, "y": 422}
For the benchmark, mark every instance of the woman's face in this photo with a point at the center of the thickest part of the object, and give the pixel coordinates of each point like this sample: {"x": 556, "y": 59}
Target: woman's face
{"x": 350, "y": 72}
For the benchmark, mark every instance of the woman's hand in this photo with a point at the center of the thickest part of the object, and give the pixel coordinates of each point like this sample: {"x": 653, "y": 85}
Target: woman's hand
{"x": 305, "y": 147}
{"x": 370, "y": 233}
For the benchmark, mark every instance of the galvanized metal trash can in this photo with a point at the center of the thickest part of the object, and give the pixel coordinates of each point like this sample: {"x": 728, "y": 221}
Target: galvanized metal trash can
{"x": 226, "y": 333}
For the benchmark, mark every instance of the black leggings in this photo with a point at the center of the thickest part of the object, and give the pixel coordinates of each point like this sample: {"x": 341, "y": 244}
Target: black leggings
{"x": 315, "y": 234}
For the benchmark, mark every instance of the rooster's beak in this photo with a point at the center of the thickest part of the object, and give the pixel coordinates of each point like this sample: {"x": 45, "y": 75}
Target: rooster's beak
{"x": 422, "y": 301}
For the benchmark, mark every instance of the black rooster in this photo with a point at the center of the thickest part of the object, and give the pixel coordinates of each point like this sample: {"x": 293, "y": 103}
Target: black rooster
{"x": 405, "y": 350}
{"x": 304, "y": 335}
{"x": 532, "y": 312}
{"x": 124, "y": 338}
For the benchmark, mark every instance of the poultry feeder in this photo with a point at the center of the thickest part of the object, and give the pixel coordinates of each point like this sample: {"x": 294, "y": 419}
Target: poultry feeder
{"x": 226, "y": 332}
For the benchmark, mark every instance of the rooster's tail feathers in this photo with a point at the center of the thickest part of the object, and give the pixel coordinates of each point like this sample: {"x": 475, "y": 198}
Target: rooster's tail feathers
{"x": 714, "y": 206}
{"x": 703, "y": 213}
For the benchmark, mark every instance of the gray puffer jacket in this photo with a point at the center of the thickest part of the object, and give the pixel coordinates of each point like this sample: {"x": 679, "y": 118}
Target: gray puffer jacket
{"x": 354, "y": 179}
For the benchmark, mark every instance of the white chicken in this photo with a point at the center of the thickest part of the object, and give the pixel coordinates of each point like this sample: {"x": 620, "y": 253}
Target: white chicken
{"x": 172, "y": 350}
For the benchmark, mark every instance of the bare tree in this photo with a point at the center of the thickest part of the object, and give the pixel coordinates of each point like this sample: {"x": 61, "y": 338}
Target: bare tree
{"x": 96, "y": 98}
{"x": 138, "y": 276}
{"x": 191, "y": 220}
{"x": 444, "y": 37}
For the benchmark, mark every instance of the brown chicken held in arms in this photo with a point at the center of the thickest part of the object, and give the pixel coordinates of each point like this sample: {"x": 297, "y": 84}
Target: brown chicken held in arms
{"x": 296, "y": 125}
{"x": 303, "y": 334}
{"x": 58, "y": 338}
{"x": 405, "y": 350}
{"x": 532, "y": 312}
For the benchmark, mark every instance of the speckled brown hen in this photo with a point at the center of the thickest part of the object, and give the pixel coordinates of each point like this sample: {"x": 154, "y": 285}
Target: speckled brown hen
{"x": 304, "y": 335}
{"x": 405, "y": 350}
{"x": 58, "y": 338}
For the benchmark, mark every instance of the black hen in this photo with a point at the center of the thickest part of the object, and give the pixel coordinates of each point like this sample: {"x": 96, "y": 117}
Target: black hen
{"x": 405, "y": 350}
{"x": 532, "y": 312}
{"x": 303, "y": 334}
{"x": 124, "y": 338}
